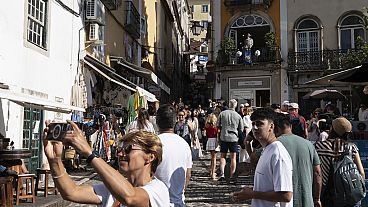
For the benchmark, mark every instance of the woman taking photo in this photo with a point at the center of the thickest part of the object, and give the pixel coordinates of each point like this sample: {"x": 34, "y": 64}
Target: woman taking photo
{"x": 139, "y": 154}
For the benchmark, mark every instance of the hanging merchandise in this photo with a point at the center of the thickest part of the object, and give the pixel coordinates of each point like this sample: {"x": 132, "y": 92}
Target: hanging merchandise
{"x": 101, "y": 145}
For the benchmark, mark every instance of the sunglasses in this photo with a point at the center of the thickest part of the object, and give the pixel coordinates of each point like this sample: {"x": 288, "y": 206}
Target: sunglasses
{"x": 128, "y": 148}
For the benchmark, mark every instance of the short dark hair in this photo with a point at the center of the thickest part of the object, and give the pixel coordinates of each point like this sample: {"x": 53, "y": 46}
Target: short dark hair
{"x": 282, "y": 121}
{"x": 264, "y": 113}
{"x": 166, "y": 117}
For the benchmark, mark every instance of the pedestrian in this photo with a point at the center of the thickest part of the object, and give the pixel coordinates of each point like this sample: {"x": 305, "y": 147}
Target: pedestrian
{"x": 298, "y": 122}
{"x": 183, "y": 128}
{"x": 285, "y": 107}
{"x": 324, "y": 128}
{"x": 152, "y": 117}
{"x": 193, "y": 120}
{"x": 307, "y": 176}
{"x": 139, "y": 155}
{"x": 212, "y": 143}
{"x": 243, "y": 155}
{"x": 230, "y": 123}
{"x": 313, "y": 128}
{"x": 333, "y": 148}
{"x": 141, "y": 123}
{"x": 175, "y": 168}
{"x": 273, "y": 178}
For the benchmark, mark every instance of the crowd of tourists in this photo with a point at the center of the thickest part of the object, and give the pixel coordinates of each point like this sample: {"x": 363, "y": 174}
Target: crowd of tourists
{"x": 294, "y": 160}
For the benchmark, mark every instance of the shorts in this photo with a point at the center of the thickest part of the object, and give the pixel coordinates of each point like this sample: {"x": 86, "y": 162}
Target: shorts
{"x": 228, "y": 146}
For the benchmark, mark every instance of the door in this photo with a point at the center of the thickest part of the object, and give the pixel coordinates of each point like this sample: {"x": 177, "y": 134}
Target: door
{"x": 32, "y": 128}
{"x": 233, "y": 35}
{"x": 262, "y": 98}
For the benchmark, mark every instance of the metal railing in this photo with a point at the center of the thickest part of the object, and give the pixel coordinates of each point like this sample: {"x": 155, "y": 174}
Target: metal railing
{"x": 258, "y": 55}
{"x": 247, "y": 2}
{"x": 320, "y": 60}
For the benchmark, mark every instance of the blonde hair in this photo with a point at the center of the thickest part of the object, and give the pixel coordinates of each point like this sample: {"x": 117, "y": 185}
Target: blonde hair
{"x": 248, "y": 111}
{"x": 211, "y": 120}
{"x": 149, "y": 142}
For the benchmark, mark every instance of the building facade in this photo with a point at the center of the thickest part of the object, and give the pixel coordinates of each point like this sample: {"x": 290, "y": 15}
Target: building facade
{"x": 246, "y": 38}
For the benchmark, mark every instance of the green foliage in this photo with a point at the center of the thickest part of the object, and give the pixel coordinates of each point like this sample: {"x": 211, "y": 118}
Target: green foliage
{"x": 270, "y": 39}
{"x": 227, "y": 45}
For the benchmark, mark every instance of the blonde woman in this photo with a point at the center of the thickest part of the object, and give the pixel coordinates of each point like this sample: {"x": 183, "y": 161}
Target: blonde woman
{"x": 139, "y": 154}
{"x": 212, "y": 142}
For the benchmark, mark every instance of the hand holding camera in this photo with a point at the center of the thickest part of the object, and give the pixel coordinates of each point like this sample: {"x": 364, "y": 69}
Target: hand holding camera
{"x": 67, "y": 133}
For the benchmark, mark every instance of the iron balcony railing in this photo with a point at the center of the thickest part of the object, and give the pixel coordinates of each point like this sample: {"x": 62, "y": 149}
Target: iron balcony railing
{"x": 320, "y": 60}
{"x": 258, "y": 55}
{"x": 133, "y": 20}
{"x": 247, "y": 2}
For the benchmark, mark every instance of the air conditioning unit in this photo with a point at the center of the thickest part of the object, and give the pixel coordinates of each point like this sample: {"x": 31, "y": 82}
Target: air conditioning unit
{"x": 93, "y": 32}
{"x": 95, "y": 11}
{"x": 360, "y": 126}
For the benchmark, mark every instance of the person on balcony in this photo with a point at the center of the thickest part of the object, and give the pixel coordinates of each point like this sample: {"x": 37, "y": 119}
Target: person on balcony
{"x": 248, "y": 44}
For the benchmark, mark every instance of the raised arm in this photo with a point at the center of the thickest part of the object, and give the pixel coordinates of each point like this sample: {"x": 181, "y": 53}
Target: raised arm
{"x": 317, "y": 185}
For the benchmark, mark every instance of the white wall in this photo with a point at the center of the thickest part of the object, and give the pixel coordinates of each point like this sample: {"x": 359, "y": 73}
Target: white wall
{"x": 22, "y": 67}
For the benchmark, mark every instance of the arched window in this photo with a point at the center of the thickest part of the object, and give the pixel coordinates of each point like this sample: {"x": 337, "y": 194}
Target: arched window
{"x": 308, "y": 35}
{"x": 351, "y": 27}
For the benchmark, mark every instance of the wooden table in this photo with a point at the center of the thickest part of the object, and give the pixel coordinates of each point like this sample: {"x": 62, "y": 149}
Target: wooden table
{"x": 12, "y": 159}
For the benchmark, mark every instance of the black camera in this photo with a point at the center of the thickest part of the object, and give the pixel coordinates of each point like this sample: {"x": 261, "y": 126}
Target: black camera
{"x": 57, "y": 131}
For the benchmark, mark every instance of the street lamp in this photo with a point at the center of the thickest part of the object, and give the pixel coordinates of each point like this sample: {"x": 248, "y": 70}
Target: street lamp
{"x": 196, "y": 28}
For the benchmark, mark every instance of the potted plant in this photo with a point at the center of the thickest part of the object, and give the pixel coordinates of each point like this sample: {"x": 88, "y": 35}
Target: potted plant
{"x": 227, "y": 48}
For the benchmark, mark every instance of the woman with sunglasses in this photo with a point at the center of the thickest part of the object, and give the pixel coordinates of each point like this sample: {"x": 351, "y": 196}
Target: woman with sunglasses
{"x": 139, "y": 154}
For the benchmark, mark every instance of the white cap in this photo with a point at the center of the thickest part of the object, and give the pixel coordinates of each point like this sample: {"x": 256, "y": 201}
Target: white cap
{"x": 294, "y": 105}
{"x": 285, "y": 103}
{"x": 246, "y": 104}
{"x": 241, "y": 105}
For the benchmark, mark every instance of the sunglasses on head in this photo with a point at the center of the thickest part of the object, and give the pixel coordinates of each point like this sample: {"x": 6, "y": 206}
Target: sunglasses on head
{"x": 128, "y": 148}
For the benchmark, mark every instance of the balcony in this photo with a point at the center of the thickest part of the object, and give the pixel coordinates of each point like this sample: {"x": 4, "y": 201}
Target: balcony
{"x": 235, "y": 3}
{"x": 133, "y": 20}
{"x": 320, "y": 60}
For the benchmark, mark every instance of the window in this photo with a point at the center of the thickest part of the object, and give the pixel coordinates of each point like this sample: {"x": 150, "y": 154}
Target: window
{"x": 36, "y": 22}
{"x": 351, "y": 27}
{"x": 143, "y": 25}
{"x": 192, "y": 8}
{"x": 307, "y": 36}
{"x": 205, "y": 24}
{"x": 204, "y": 8}
{"x": 204, "y": 48}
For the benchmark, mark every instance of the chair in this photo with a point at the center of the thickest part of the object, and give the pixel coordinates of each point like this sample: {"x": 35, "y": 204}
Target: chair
{"x": 28, "y": 191}
{"x": 6, "y": 191}
{"x": 46, "y": 188}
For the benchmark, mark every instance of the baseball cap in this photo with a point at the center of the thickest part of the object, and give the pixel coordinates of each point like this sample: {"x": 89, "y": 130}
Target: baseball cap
{"x": 294, "y": 105}
{"x": 341, "y": 126}
{"x": 285, "y": 103}
{"x": 241, "y": 105}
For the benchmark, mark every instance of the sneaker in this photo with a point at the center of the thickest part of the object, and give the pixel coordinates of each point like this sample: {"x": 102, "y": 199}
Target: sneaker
{"x": 222, "y": 179}
{"x": 8, "y": 172}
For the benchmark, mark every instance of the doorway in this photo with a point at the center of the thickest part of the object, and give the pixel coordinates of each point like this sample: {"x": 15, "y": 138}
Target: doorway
{"x": 32, "y": 130}
{"x": 262, "y": 98}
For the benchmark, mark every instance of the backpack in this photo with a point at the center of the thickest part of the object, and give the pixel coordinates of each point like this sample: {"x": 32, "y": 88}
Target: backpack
{"x": 297, "y": 126}
{"x": 346, "y": 185}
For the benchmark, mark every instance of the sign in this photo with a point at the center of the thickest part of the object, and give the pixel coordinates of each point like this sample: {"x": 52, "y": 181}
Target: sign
{"x": 203, "y": 58}
{"x": 249, "y": 83}
{"x": 59, "y": 116}
{"x": 241, "y": 94}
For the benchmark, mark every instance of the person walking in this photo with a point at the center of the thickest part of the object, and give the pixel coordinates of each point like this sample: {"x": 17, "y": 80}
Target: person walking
{"x": 298, "y": 122}
{"x": 175, "y": 168}
{"x": 307, "y": 176}
{"x": 212, "y": 135}
{"x": 230, "y": 124}
{"x": 273, "y": 178}
{"x": 141, "y": 123}
{"x": 333, "y": 148}
{"x": 243, "y": 155}
{"x": 183, "y": 128}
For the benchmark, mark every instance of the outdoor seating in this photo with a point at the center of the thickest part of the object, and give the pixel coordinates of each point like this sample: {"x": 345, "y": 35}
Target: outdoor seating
{"x": 6, "y": 191}
{"x": 46, "y": 188}
{"x": 27, "y": 191}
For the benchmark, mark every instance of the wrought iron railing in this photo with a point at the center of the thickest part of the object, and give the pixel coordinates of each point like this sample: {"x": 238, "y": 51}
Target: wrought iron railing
{"x": 320, "y": 60}
{"x": 133, "y": 20}
{"x": 247, "y": 2}
{"x": 258, "y": 55}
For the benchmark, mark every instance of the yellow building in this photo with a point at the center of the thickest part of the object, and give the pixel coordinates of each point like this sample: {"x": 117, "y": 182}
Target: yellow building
{"x": 200, "y": 10}
{"x": 251, "y": 71}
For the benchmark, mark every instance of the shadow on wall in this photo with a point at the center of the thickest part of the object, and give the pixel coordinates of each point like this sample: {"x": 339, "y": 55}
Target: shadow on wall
{"x": 2, "y": 121}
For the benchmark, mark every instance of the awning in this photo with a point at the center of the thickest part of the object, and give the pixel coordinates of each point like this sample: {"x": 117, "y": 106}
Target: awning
{"x": 142, "y": 72}
{"x": 92, "y": 63}
{"x": 354, "y": 75}
{"x": 38, "y": 103}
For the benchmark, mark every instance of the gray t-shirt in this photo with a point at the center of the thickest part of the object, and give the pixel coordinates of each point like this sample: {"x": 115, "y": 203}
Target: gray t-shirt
{"x": 304, "y": 157}
{"x": 230, "y": 122}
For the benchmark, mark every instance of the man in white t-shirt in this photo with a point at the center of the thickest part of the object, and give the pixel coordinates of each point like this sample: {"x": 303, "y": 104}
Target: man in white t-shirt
{"x": 175, "y": 168}
{"x": 273, "y": 185}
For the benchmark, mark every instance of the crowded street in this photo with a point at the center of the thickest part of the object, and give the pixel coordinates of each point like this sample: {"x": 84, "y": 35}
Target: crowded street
{"x": 174, "y": 103}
